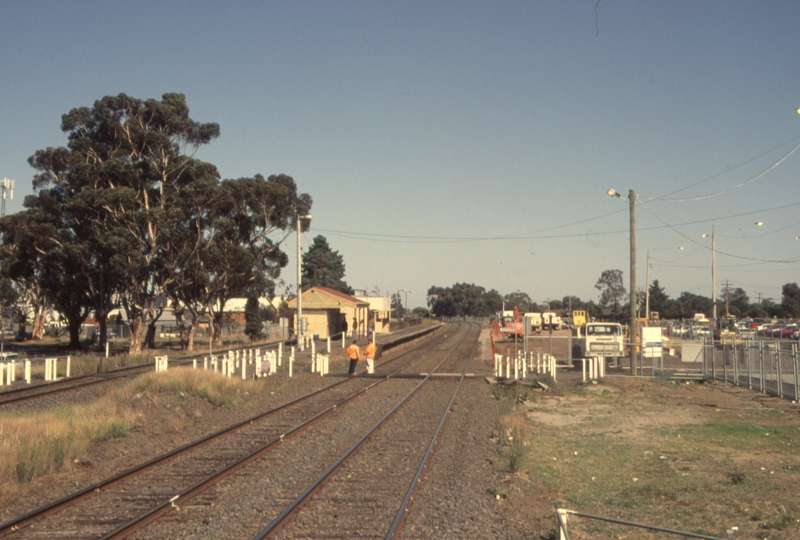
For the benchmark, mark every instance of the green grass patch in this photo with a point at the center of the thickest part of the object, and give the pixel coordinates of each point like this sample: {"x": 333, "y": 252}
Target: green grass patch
{"x": 726, "y": 467}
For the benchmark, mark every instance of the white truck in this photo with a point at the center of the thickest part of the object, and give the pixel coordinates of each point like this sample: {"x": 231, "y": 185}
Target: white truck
{"x": 533, "y": 322}
{"x": 551, "y": 321}
{"x": 601, "y": 339}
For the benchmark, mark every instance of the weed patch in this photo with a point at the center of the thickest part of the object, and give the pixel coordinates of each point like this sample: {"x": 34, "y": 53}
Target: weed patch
{"x": 640, "y": 454}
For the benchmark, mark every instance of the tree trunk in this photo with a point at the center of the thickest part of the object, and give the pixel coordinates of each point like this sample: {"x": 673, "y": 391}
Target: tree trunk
{"x": 190, "y": 338}
{"x": 74, "y": 326}
{"x": 217, "y": 321}
{"x": 103, "y": 322}
{"x": 37, "y": 332}
{"x": 23, "y": 323}
{"x": 137, "y": 327}
{"x": 150, "y": 337}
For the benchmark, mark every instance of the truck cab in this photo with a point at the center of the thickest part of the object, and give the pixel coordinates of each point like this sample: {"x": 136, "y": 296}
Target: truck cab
{"x": 601, "y": 339}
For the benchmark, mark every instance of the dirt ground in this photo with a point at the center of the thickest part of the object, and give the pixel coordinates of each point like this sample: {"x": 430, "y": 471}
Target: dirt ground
{"x": 734, "y": 488}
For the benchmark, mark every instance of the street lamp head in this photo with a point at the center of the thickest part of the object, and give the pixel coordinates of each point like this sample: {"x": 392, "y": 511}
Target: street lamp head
{"x": 705, "y": 235}
{"x": 759, "y": 223}
{"x": 613, "y": 193}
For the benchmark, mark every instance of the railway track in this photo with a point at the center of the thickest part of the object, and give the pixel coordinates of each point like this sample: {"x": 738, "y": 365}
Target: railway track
{"x": 381, "y": 471}
{"x": 117, "y": 506}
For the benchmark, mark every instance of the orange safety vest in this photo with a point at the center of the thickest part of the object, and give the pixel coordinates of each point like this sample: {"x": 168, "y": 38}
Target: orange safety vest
{"x": 370, "y": 351}
{"x": 353, "y": 352}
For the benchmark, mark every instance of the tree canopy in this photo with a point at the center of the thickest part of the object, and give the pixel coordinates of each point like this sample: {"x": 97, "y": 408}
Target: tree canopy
{"x": 464, "y": 300}
{"x": 612, "y": 291}
{"x": 324, "y": 267}
{"x": 125, "y": 211}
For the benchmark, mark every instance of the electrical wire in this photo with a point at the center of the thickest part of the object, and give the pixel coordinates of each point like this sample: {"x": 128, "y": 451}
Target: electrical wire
{"x": 730, "y": 169}
{"x": 692, "y": 240}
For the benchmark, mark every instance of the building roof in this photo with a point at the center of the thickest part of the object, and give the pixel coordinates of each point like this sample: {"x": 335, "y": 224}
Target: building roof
{"x": 325, "y": 297}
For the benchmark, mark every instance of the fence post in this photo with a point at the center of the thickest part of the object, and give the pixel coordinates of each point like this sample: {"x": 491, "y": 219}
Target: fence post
{"x": 794, "y": 368}
{"x": 713, "y": 365}
{"x": 726, "y": 357}
{"x": 563, "y": 531}
{"x": 779, "y": 370}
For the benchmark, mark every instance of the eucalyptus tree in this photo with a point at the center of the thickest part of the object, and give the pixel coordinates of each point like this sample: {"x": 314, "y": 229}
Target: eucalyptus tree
{"x": 122, "y": 166}
{"x": 242, "y": 255}
{"x": 20, "y": 262}
{"x": 230, "y": 238}
{"x": 42, "y": 250}
{"x": 131, "y": 215}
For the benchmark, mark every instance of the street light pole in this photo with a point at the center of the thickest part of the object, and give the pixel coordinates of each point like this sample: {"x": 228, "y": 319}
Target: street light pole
{"x": 632, "y": 202}
{"x": 714, "y": 270}
{"x": 632, "y": 328}
{"x": 299, "y": 329}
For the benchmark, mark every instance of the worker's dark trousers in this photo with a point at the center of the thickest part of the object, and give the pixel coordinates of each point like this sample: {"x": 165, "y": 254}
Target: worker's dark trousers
{"x": 353, "y": 364}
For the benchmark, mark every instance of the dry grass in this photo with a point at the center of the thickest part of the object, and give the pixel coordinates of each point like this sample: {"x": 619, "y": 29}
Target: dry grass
{"x": 691, "y": 458}
{"x": 36, "y": 444}
{"x": 209, "y": 385}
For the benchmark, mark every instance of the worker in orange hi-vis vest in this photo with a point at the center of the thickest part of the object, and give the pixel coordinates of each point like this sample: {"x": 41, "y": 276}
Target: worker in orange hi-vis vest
{"x": 354, "y": 354}
{"x": 369, "y": 352}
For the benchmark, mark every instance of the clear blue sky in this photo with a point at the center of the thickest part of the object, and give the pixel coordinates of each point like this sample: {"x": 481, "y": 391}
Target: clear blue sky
{"x": 461, "y": 141}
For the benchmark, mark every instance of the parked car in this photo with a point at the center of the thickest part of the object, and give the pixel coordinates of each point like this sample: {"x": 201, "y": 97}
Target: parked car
{"x": 765, "y": 330}
{"x": 788, "y": 330}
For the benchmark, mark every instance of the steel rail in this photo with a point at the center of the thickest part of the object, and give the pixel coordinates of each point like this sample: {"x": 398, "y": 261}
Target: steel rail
{"x": 401, "y": 513}
{"x": 54, "y": 391}
{"x": 27, "y": 518}
{"x": 279, "y": 520}
{"x": 154, "y": 513}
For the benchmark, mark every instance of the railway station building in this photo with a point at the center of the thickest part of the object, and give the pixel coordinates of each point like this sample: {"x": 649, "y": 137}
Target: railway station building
{"x": 328, "y": 312}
